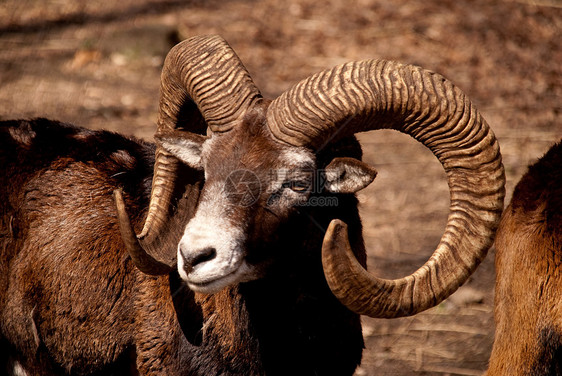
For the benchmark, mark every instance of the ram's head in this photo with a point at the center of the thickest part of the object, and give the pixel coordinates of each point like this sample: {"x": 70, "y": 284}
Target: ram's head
{"x": 259, "y": 160}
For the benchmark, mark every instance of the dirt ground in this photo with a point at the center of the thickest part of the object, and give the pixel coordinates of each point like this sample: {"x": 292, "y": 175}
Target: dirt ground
{"x": 97, "y": 64}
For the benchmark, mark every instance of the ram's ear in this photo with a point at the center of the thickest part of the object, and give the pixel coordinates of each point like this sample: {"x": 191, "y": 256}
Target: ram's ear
{"x": 185, "y": 146}
{"x": 348, "y": 175}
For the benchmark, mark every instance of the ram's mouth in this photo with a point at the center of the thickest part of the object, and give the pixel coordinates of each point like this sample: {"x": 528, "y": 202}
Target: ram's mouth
{"x": 214, "y": 283}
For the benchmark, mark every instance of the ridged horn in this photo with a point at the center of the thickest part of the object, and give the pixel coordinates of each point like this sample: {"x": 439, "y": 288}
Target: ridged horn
{"x": 374, "y": 94}
{"x": 203, "y": 84}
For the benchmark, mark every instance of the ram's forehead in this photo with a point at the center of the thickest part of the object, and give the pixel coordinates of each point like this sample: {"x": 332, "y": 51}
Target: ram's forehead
{"x": 297, "y": 157}
{"x": 260, "y": 147}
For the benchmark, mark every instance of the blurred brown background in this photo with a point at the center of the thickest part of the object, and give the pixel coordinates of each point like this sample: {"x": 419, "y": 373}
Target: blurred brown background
{"x": 97, "y": 64}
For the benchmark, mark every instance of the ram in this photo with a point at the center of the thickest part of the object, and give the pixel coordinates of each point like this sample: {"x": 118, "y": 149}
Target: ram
{"x": 249, "y": 258}
{"x": 528, "y": 309}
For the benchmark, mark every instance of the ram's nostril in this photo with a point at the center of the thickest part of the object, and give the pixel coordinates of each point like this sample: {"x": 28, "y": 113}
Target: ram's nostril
{"x": 199, "y": 257}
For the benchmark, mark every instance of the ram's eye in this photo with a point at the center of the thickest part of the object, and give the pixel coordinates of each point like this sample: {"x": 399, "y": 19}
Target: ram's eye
{"x": 298, "y": 186}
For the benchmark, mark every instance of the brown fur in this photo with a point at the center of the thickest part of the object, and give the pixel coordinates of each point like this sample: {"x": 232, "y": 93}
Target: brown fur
{"x": 528, "y": 339}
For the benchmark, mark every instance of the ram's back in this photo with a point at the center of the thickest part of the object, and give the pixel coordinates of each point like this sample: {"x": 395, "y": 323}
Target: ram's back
{"x": 58, "y": 233}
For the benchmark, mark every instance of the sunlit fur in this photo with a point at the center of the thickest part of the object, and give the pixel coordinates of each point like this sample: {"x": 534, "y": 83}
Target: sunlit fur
{"x": 528, "y": 308}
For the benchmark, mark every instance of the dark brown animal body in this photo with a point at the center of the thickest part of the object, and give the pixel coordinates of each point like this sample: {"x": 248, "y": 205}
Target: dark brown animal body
{"x": 246, "y": 238}
{"x": 73, "y": 302}
{"x": 60, "y": 248}
{"x": 528, "y": 339}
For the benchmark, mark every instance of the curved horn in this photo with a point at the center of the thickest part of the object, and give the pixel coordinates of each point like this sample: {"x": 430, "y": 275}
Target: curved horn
{"x": 203, "y": 83}
{"x": 141, "y": 259}
{"x": 369, "y": 95}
